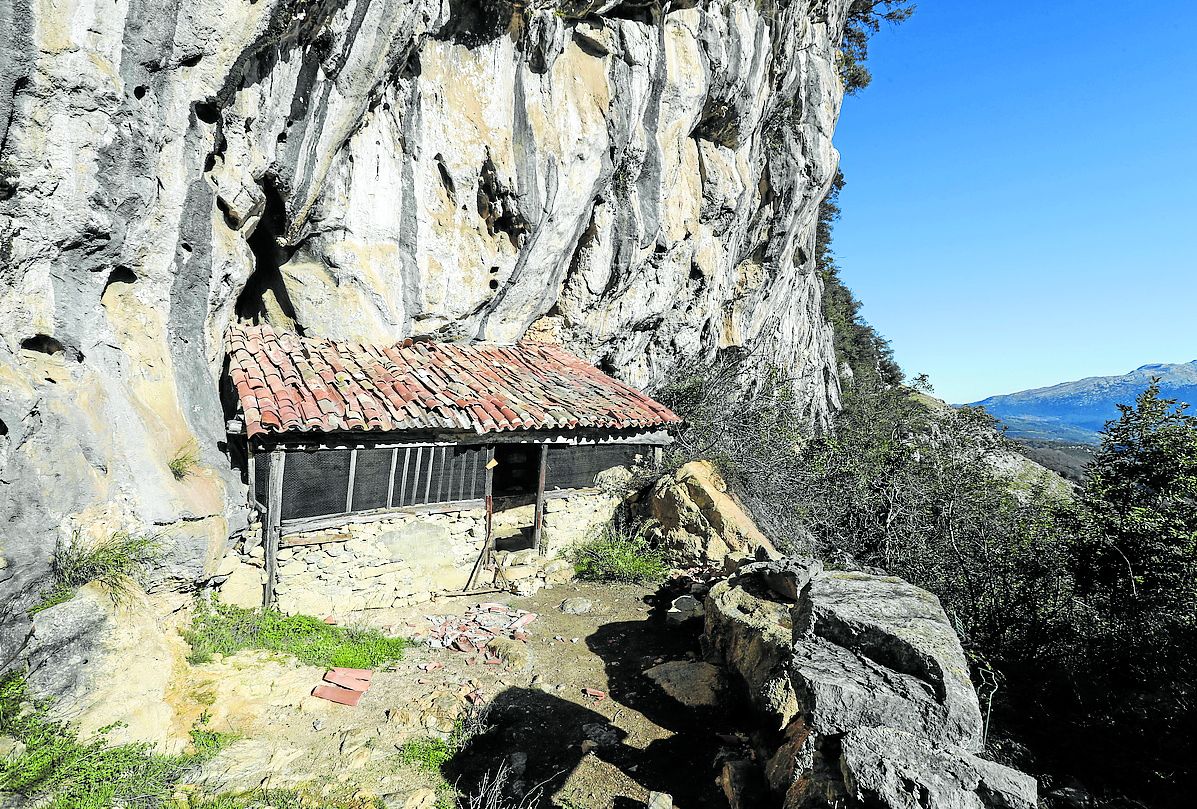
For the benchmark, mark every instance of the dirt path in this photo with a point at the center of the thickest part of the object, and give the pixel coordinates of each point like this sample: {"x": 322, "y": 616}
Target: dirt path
{"x": 594, "y": 753}
{"x": 611, "y": 752}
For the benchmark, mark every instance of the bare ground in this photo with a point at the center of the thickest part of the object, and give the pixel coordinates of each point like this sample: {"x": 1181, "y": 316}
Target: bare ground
{"x": 589, "y": 752}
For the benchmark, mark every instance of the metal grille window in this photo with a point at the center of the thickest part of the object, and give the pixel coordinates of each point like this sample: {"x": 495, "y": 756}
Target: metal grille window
{"x": 578, "y": 467}
{"x": 326, "y": 482}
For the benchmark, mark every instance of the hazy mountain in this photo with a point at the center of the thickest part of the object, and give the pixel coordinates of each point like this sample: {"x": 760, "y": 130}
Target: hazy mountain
{"x": 1074, "y": 412}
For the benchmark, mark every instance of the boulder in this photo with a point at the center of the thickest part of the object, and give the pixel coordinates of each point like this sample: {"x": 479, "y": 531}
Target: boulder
{"x": 785, "y": 577}
{"x": 697, "y": 522}
{"x": 108, "y": 664}
{"x": 868, "y": 680}
{"x": 886, "y": 767}
{"x": 683, "y": 609}
{"x": 899, "y": 634}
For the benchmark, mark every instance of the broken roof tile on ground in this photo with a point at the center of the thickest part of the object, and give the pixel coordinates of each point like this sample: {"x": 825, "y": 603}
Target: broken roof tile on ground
{"x": 478, "y": 627}
{"x": 286, "y": 383}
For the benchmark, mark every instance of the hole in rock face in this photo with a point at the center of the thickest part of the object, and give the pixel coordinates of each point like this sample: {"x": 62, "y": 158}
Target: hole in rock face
{"x": 119, "y": 277}
{"x": 3, "y": 428}
{"x": 446, "y": 177}
{"x": 498, "y": 205}
{"x": 268, "y": 244}
{"x": 139, "y": 91}
{"x": 191, "y": 61}
{"x": 494, "y": 283}
{"x": 476, "y": 22}
{"x": 206, "y": 111}
{"x": 42, "y": 344}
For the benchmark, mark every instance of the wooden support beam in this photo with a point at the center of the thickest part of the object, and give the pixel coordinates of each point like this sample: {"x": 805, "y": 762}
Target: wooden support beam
{"x": 538, "y": 519}
{"x": 271, "y": 525}
{"x": 486, "y": 555}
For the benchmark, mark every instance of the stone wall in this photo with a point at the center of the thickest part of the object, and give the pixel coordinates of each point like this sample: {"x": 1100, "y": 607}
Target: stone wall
{"x": 409, "y": 558}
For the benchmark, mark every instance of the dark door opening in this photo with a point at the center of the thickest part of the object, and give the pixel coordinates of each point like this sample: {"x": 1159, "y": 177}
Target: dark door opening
{"x": 517, "y": 469}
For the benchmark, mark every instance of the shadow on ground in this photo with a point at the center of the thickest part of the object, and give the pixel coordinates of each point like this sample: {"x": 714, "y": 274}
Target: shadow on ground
{"x": 587, "y": 750}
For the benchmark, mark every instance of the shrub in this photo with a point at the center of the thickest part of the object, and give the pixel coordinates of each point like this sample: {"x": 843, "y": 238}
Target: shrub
{"x": 63, "y": 772}
{"x": 618, "y": 554}
{"x": 494, "y": 791}
{"x": 184, "y": 461}
{"x": 225, "y": 629}
{"x": 116, "y": 563}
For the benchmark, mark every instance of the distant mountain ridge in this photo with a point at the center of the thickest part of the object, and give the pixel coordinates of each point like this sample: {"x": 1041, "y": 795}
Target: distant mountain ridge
{"x": 1075, "y": 412}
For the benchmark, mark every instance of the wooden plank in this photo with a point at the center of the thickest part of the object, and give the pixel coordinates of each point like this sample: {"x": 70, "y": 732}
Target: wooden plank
{"x": 352, "y": 475}
{"x": 538, "y": 518}
{"x": 305, "y": 524}
{"x": 440, "y": 481}
{"x": 428, "y": 476}
{"x": 300, "y": 541}
{"x": 403, "y": 483}
{"x": 391, "y": 478}
{"x": 271, "y": 528}
{"x": 415, "y": 476}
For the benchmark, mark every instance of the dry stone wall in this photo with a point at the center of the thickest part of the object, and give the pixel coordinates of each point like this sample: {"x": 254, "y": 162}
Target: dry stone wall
{"x": 407, "y": 559}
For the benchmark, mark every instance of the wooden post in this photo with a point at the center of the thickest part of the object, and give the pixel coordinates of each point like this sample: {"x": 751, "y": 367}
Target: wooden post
{"x": 538, "y": 519}
{"x": 488, "y": 496}
{"x": 270, "y": 526}
{"x": 486, "y": 556}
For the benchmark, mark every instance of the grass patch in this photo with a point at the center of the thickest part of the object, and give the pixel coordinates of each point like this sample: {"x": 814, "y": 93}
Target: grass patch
{"x": 285, "y": 799}
{"x": 116, "y": 562}
{"x": 185, "y": 461}
{"x": 618, "y": 554}
{"x": 225, "y": 629}
{"x": 61, "y": 771}
{"x": 428, "y": 754}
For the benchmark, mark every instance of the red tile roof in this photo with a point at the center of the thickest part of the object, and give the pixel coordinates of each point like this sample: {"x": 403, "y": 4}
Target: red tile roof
{"x": 287, "y": 383}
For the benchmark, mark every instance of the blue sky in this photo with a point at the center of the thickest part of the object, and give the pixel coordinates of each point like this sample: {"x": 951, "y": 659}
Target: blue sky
{"x": 1021, "y": 199}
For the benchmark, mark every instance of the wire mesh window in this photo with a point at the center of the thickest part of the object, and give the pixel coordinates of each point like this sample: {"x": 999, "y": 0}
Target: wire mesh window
{"x": 579, "y": 467}
{"x": 318, "y": 483}
{"x": 261, "y": 477}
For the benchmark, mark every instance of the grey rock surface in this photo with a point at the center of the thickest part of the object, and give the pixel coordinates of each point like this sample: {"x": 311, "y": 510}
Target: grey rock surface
{"x": 867, "y": 679}
{"x": 637, "y": 181}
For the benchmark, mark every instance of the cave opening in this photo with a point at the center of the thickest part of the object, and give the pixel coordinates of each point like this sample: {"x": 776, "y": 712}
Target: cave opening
{"x": 42, "y": 344}
{"x": 119, "y": 275}
{"x": 498, "y": 205}
{"x": 268, "y": 243}
{"x": 476, "y": 22}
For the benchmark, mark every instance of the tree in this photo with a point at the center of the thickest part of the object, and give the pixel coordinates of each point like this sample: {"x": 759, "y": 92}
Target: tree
{"x": 864, "y": 20}
{"x": 1141, "y": 556}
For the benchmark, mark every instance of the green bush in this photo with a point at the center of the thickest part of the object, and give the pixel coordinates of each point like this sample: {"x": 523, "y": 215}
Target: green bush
{"x": 618, "y": 554}
{"x": 116, "y": 563}
{"x": 64, "y": 772}
{"x": 225, "y": 629}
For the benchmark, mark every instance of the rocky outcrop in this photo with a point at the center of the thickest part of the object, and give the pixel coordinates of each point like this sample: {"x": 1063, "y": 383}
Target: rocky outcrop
{"x": 637, "y": 180}
{"x": 696, "y": 521}
{"x": 110, "y": 665}
{"x": 866, "y": 685}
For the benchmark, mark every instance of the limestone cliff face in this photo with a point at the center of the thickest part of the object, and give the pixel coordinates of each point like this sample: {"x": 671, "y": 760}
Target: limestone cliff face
{"x": 638, "y": 180}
